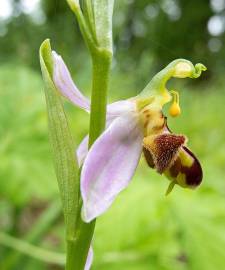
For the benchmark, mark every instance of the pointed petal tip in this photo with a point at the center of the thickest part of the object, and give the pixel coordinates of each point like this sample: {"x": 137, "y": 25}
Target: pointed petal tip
{"x": 45, "y": 43}
{"x": 46, "y": 60}
{"x": 170, "y": 188}
{"x": 87, "y": 214}
{"x": 84, "y": 215}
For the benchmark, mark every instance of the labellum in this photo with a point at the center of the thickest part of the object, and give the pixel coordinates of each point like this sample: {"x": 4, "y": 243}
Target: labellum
{"x": 168, "y": 154}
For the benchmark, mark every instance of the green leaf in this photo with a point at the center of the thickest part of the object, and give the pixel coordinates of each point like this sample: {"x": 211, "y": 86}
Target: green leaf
{"x": 103, "y": 11}
{"x": 62, "y": 143}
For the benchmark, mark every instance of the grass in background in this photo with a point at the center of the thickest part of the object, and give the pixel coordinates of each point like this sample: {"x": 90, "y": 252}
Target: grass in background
{"x": 143, "y": 229}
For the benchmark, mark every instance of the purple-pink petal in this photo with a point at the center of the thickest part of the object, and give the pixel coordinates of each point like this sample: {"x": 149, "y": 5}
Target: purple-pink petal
{"x": 110, "y": 165}
{"x": 82, "y": 149}
{"x": 120, "y": 107}
{"x": 65, "y": 84}
{"x": 116, "y": 109}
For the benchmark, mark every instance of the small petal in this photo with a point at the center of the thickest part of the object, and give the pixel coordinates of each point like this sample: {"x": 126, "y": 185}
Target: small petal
{"x": 65, "y": 84}
{"x": 110, "y": 165}
{"x": 89, "y": 259}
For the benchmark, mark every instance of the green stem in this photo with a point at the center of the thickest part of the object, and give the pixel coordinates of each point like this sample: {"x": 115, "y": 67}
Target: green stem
{"x": 100, "y": 73}
{"x": 78, "y": 246}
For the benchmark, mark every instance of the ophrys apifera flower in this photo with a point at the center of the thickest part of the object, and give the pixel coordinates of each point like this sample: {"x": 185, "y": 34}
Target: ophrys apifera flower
{"x": 133, "y": 126}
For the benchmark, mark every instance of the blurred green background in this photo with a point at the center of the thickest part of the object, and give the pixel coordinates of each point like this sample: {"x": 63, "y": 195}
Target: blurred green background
{"x": 143, "y": 229}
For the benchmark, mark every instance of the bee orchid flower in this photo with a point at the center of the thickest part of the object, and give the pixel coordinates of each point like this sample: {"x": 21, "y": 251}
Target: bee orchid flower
{"x": 133, "y": 126}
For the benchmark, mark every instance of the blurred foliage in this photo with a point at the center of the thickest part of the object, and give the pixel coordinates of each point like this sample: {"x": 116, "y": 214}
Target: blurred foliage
{"x": 143, "y": 229}
{"x": 145, "y": 31}
{"x": 23, "y": 128}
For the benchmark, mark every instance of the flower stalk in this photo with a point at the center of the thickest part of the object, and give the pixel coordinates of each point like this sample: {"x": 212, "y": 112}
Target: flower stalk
{"x": 101, "y": 53}
{"x": 100, "y": 82}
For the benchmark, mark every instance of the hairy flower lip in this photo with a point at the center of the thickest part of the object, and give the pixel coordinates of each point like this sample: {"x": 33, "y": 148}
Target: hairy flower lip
{"x": 164, "y": 149}
{"x": 192, "y": 174}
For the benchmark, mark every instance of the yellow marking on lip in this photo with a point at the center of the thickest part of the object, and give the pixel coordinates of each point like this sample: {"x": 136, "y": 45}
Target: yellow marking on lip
{"x": 186, "y": 160}
{"x": 181, "y": 180}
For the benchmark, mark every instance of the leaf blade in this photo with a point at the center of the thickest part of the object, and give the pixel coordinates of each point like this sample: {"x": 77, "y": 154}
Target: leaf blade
{"x": 62, "y": 143}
